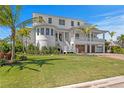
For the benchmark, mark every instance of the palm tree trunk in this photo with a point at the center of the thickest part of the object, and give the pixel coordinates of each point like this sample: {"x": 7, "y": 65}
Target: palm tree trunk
{"x": 13, "y": 46}
{"x": 23, "y": 44}
{"x": 90, "y": 44}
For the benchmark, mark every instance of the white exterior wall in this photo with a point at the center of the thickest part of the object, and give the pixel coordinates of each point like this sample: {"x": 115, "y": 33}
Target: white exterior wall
{"x": 45, "y": 40}
{"x": 48, "y": 40}
{"x": 55, "y": 21}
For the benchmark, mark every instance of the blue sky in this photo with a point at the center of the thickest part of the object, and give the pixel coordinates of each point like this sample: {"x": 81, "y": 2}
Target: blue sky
{"x": 106, "y": 17}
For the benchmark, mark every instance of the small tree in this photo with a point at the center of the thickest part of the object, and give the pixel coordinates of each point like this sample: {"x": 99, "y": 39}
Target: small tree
{"x": 24, "y": 33}
{"x": 112, "y": 35}
{"x": 9, "y": 17}
{"x": 87, "y": 30}
{"x": 5, "y": 47}
{"x": 111, "y": 40}
{"x": 121, "y": 40}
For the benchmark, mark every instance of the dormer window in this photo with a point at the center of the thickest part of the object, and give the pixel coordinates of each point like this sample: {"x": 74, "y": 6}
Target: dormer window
{"x": 72, "y": 23}
{"x": 50, "y": 20}
{"x": 61, "y": 22}
{"x": 38, "y": 31}
{"x": 78, "y": 23}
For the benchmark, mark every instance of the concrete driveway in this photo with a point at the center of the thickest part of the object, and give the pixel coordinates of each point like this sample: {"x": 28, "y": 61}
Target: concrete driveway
{"x": 110, "y": 55}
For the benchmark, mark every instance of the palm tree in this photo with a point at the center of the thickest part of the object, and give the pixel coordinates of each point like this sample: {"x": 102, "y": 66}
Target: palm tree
{"x": 111, "y": 40}
{"x": 9, "y": 17}
{"x": 24, "y": 33}
{"x": 112, "y": 35}
{"x": 88, "y": 30}
{"x": 121, "y": 40}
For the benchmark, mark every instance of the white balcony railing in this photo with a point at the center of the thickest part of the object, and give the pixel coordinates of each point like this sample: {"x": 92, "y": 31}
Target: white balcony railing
{"x": 88, "y": 39}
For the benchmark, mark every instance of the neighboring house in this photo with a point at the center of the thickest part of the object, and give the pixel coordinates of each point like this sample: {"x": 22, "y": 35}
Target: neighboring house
{"x": 60, "y": 32}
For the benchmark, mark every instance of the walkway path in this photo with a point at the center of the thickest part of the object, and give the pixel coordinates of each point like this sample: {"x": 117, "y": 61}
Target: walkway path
{"x": 110, "y": 55}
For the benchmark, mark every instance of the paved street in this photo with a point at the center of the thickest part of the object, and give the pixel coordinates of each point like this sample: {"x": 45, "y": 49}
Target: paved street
{"x": 113, "y": 82}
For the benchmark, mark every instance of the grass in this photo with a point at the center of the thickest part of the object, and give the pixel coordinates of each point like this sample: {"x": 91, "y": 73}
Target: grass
{"x": 59, "y": 70}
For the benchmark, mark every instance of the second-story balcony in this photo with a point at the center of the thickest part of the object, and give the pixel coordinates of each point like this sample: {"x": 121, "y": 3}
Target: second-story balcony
{"x": 87, "y": 40}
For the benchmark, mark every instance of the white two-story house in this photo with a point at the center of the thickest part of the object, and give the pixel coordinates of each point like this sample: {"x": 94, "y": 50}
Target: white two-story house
{"x": 60, "y": 32}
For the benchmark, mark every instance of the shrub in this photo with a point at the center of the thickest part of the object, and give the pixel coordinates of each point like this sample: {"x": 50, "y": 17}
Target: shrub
{"x": 5, "y": 47}
{"x": 19, "y": 48}
{"x": 2, "y": 62}
{"x": 23, "y": 58}
{"x": 45, "y": 50}
{"x": 117, "y": 49}
{"x": 50, "y": 50}
{"x": 122, "y": 50}
{"x": 33, "y": 49}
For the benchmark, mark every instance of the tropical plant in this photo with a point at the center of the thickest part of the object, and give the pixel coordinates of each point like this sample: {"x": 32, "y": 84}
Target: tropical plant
{"x": 112, "y": 35}
{"x": 9, "y": 17}
{"x": 32, "y": 49}
{"x": 106, "y": 46}
{"x": 121, "y": 40}
{"x": 5, "y": 47}
{"x": 87, "y": 30}
{"x": 24, "y": 33}
{"x": 50, "y": 50}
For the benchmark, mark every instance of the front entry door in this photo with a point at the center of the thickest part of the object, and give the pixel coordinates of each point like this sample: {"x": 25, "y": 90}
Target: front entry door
{"x": 93, "y": 48}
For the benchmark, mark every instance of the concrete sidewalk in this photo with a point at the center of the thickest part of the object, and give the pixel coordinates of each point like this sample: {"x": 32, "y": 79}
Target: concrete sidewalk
{"x": 114, "y": 82}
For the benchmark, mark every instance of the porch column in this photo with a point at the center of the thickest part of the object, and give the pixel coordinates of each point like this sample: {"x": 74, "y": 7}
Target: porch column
{"x": 86, "y": 48}
{"x": 58, "y": 36}
{"x": 104, "y": 36}
{"x": 103, "y": 48}
{"x": 104, "y": 43}
{"x": 95, "y": 48}
{"x": 64, "y": 36}
{"x": 90, "y": 44}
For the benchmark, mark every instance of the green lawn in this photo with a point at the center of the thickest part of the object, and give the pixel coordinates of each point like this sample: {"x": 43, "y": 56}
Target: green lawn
{"x": 58, "y": 70}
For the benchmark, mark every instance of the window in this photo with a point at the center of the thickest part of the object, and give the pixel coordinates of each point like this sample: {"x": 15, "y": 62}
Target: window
{"x": 77, "y": 36}
{"x": 72, "y": 23}
{"x": 78, "y": 23}
{"x": 38, "y": 31}
{"x": 61, "y": 22}
{"x": 51, "y": 32}
{"x": 49, "y": 20}
{"x": 47, "y": 31}
{"x": 42, "y": 31}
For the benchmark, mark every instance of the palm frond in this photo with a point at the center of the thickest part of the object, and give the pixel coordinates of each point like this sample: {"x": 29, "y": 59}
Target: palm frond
{"x": 17, "y": 13}
{"x": 5, "y": 16}
{"x": 30, "y": 21}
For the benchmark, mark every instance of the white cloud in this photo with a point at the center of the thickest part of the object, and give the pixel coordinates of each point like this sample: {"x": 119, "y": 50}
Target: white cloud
{"x": 110, "y": 13}
{"x": 113, "y": 23}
